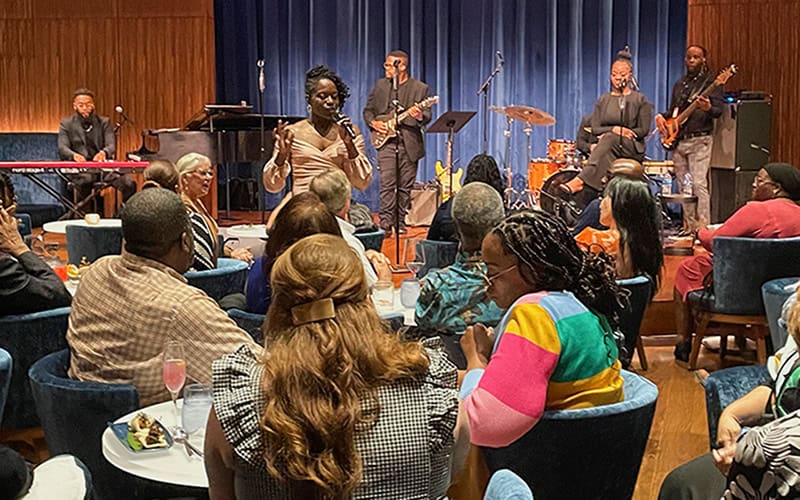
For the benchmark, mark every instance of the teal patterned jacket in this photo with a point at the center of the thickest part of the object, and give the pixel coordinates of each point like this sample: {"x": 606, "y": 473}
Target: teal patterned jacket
{"x": 453, "y": 298}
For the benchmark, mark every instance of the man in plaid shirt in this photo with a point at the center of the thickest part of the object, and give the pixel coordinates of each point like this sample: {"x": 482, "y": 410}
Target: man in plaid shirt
{"x": 128, "y": 306}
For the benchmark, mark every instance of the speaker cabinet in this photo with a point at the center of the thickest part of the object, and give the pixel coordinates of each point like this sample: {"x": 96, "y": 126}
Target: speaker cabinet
{"x": 742, "y": 135}
{"x": 730, "y": 190}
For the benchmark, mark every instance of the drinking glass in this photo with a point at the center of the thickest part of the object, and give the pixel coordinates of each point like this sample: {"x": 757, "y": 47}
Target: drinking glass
{"x": 414, "y": 260}
{"x": 173, "y": 371}
{"x": 409, "y": 292}
{"x": 383, "y": 295}
{"x": 196, "y": 407}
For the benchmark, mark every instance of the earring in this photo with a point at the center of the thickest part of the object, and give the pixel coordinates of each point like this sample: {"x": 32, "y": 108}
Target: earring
{"x": 308, "y": 109}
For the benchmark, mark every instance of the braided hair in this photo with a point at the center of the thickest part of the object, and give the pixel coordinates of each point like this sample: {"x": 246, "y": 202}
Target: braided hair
{"x": 317, "y": 73}
{"x": 7, "y": 195}
{"x": 550, "y": 259}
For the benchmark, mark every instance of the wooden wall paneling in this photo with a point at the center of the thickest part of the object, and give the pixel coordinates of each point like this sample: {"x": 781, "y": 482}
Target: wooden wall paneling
{"x": 15, "y": 9}
{"x": 761, "y": 38}
{"x": 74, "y": 10}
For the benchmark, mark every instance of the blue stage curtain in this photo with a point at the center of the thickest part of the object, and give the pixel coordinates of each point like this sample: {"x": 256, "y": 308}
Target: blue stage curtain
{"x": 557, "y": 58}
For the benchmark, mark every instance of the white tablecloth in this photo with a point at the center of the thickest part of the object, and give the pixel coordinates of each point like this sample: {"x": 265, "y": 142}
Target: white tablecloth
{"x": 172, "y": 466}
{"x": 60, "y": 226}
{"x": 249, "y": 235}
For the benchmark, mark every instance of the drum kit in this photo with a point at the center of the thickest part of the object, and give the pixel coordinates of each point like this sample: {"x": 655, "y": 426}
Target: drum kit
{"x": 560, "y": 165}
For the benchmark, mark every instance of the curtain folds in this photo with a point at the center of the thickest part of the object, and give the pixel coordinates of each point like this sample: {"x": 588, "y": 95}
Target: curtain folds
{"x": 557, "y": 58}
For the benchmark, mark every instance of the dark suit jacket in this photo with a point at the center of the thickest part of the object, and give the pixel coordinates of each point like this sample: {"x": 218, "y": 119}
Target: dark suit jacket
{"x": 28, "y": 284}
{"x": 73, "y": 139}
{"x": 409, "y": 93}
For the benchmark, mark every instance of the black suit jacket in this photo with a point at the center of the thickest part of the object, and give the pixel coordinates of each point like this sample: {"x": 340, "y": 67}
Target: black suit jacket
{"x": 73, "y": 139}
{"x": 28, "y": 284}
{"x": 412, "y": 91}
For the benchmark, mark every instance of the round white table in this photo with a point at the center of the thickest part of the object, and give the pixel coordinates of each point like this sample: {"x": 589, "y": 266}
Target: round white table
{"x": 60, "y": 226}
{"x": 172, "y": 465}
{"x": 249, "y": 235}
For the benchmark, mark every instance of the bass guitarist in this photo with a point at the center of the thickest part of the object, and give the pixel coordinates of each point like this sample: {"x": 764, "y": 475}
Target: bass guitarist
{"x": 409, "y": 139}
{"x": 692, "y": 153}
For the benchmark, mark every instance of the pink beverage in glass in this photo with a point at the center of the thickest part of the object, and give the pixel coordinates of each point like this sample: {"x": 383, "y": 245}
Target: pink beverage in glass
{"x": 174, "y": 372}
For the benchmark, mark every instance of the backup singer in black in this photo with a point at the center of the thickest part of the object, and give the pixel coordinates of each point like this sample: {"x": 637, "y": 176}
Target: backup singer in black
{"x": 620, "y": 121}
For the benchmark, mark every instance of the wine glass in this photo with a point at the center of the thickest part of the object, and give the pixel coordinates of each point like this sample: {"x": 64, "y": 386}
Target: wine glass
{"x": 414, "y": 260}
{"x": 174, "y": 371}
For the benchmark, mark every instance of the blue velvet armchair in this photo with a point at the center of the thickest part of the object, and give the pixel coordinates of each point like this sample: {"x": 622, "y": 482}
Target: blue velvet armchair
{"x": 723, "y": 387}
{"x": 587, "y": 453}
{"x": 639, "y": 288}
{"x": 436, "y": 254}
{"x": 227, "y": 278}
{"x": 28, "y": 337}
{"x": 373, "y": 240}
{"x": 249, "y": 322}
{"x": 741, "y": 266}
{"x": 74, "y": 415}
{"x": 775, "y": 292}
{"x": 6, "y": 364}
{"x": 92, "y": 242}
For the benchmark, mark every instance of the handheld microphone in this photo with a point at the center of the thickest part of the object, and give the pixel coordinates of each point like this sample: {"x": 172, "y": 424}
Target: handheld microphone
{"x": 500, "y": 60}
{"x": 344, "y": 121}
{"x": 396, "y": 63}
{"x": 261, "y": 84}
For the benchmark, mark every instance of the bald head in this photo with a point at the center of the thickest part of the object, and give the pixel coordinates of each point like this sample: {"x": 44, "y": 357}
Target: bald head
{"x": 154, "y": 223}
{"x": 476, "y": 209}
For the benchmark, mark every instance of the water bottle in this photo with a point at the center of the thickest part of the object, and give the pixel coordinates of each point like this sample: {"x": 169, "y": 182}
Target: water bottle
{"x": 666, "y": 184}
{"x": 687, "y": 188}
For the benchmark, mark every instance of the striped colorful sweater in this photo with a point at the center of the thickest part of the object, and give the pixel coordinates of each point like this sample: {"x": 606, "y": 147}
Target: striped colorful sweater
{"x": 550, "y": 353}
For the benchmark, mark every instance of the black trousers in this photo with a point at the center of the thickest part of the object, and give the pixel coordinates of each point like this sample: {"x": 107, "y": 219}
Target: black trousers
{"x": 698, "y": 479}
{"x": 609, "y": 148}
{"x": 389, "y": 179}
{"x": 83, "y": 183}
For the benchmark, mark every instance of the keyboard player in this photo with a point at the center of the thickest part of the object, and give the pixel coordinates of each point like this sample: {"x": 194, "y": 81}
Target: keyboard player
{"x": 86, "y": 136}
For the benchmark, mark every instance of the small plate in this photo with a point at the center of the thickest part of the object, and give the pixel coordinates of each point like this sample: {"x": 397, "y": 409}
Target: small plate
{"x": 120, "y": 430}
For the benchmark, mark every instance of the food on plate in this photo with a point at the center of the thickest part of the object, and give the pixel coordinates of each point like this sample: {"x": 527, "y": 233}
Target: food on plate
{"x": 145, "y": 432}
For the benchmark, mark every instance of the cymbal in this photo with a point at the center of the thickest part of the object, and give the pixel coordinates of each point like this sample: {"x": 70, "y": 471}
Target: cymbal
{"x": 529, "y": 115}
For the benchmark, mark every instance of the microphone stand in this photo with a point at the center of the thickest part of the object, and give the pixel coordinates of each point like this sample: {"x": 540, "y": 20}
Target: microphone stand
{"x": 395, "y": 117}
{"x": 484, "y": 89}
{"x": 261, "y": 87}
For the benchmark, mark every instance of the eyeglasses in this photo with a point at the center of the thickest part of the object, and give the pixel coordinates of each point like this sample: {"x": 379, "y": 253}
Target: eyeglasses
{"x": 204, "y": 173}
{"x": 760, "y": 181}
{"x": 490, "y": 279}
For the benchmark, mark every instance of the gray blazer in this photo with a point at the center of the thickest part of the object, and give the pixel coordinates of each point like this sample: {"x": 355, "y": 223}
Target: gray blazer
{"x": 409, "y": 93}
{"x": 73, "y": 139}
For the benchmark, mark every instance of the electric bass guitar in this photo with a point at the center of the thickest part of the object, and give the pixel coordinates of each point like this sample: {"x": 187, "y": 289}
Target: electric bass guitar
{"x": 378, "y": 139}
{"x": 674, "y": 123}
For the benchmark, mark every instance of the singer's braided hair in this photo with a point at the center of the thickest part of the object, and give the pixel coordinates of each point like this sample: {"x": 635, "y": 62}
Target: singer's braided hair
{"x": 550, "y": 259}
{"x": 7, "y": 195}
{"x": 317, "y": 73}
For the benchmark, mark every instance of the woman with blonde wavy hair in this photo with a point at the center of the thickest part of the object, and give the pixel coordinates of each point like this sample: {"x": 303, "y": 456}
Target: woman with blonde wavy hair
{"x": 339, "y": 407}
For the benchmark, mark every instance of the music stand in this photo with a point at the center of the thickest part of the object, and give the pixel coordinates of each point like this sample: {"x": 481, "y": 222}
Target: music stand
{"x": 450, "y": 123}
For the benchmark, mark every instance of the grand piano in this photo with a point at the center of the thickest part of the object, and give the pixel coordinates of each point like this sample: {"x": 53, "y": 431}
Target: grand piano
{"x": 226, "y": 133}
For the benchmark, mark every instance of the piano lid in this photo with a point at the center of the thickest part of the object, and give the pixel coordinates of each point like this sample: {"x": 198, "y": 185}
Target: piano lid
{"x": 202, "y": 118}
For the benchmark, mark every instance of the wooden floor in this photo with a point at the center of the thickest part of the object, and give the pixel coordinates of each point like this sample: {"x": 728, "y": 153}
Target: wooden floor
{"x": 679, "y": 431}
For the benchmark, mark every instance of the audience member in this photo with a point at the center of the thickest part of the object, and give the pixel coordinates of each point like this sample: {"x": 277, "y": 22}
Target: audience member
{"x": 128, "y": 306}
{"x": 453, "y": 298}
{"x": 481, "y": 168}
{"x": 27, "y": 283}
{"x": 704, "y": 477}
{"x": 554, "y": 348}
{"x": 773, "y": 213}
{"x": 334, "y": 189}
{"x": 161, "y": 173}
{"x": 302, "y": 216}
{"x": 195, "y": 177}
{"x": 343, "y": 408}
{"x": 633, "y": 237}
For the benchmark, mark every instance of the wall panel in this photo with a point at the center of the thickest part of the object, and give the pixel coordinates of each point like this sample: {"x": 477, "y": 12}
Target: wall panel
{"x": 763, "y": 40}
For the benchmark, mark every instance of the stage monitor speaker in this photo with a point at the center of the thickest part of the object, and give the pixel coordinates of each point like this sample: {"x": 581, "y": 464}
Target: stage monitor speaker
{"x": 742, "y": 135}
{"x": 730, "y": 190}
